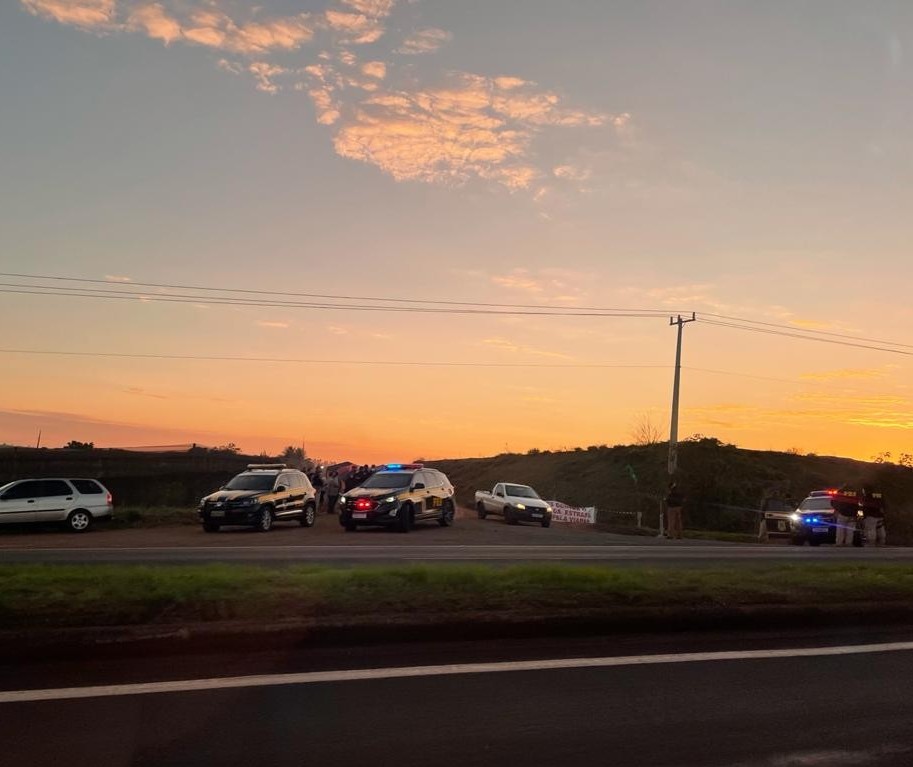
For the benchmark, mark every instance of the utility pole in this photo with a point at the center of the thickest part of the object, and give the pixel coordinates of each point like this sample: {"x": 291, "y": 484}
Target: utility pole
{"x": 680, "y": 322}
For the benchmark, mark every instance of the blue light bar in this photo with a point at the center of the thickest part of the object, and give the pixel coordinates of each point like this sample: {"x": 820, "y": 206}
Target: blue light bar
{"x": 394, "y": 466}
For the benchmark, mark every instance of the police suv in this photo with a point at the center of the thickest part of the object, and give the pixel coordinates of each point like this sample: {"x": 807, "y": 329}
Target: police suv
{"x": 815, "y": 521}
{"x": 265, "y": 493}
{"x": 397, "y": 496}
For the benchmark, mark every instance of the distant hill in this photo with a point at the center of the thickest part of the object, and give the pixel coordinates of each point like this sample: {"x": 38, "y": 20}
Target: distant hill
{"x": 724, "y": 485}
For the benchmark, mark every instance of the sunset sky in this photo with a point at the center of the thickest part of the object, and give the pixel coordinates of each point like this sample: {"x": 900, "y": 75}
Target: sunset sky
{"x": 746, "y": 159}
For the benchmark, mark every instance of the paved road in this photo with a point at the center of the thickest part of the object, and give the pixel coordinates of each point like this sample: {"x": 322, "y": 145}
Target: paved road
{"x": 754, "y": 709}
{"x": 470, "y": 540}
{"x": 660, "y": 554}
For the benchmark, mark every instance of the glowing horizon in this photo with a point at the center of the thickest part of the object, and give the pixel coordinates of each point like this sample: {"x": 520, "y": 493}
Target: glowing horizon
{"x": 590, "y": 156}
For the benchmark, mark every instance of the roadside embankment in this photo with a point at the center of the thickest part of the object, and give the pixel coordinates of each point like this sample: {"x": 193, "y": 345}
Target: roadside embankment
{"x": 50, "y": 609}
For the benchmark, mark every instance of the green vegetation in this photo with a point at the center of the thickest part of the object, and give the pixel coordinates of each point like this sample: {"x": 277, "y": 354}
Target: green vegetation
{"x": 723, "y": 485}
{"x": 54, "y": 596}
{"x": 152, "y": 516}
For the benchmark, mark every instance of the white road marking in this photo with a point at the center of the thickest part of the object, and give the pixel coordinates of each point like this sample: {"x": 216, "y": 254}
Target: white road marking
{"x": 318, "y": 677}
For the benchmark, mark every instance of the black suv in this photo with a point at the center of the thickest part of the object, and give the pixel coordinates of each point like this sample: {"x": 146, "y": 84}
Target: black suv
{"x": 263, "y": 494}
{"x": 398, "y": 496}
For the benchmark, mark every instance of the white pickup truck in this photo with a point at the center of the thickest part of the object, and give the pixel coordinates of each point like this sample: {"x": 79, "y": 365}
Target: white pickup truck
{"x": 517, "y": 503}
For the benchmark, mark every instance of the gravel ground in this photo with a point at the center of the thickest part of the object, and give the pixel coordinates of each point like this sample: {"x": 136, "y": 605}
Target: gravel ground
{"x": 468, "y": 530}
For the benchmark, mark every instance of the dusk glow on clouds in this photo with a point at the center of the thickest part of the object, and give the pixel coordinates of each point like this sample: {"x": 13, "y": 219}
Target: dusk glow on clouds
{"x": 459, "y": 127}
{"x": 513, "y": 152}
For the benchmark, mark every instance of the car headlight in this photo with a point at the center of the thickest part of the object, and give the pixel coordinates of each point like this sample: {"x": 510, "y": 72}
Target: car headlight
{"x": 390, "y": 499}
{"x": 521, "y": 505}
{"x": 249, "y": 502}
{"x": 342, "y": 500}
{"x": 795, "y": 517}
{"x": 548, "y": 508}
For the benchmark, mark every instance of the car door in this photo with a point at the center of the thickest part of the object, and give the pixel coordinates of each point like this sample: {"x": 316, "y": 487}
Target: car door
{"x": 498, "y": 501}
{"x": 282, "y": 504}
{"x": 296, "y": 499}
{"x": 56, "y": 500}
{"x": 20, "y": 502}
{"x": 418, "y": 493}
{"x": 435, "y": 487}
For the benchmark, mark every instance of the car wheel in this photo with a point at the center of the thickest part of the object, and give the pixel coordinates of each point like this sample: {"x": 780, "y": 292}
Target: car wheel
{"x": 447, "y": 515}
{"x": 210, "y": 527}
{"x": 509, "y": 516}
{"x": 309, "y": 516}
{"x": 79, "y": 521}
{"x": 480, "y": 509}
{"x": 265, "y": 520}
{"x": 404, "y": 520}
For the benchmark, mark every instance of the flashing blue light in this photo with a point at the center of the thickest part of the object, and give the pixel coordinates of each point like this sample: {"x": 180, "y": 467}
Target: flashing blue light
{"x": 394, "y": 466}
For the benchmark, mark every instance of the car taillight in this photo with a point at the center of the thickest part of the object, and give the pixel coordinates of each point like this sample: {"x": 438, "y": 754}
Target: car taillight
{"x": 110, "y": 499}
{"x": 364, "y": 504}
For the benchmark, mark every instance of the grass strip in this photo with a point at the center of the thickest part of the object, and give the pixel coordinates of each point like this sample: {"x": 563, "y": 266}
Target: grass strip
{"x": 36, "y": 596}
{"x": 126, "y": 517}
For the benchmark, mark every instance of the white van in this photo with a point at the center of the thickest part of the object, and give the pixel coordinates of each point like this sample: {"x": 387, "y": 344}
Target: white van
{"x": 75, "y": 502}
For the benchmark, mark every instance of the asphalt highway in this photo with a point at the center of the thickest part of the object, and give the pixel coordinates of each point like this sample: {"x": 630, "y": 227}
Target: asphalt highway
{"x": 725, "y": 701}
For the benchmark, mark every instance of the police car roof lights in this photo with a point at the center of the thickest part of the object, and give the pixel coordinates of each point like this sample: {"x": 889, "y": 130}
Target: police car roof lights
{"x": 266, "y": 466}
{"x": 402, "y": 466}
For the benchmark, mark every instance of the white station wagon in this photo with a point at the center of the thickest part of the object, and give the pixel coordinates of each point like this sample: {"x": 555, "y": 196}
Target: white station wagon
{"x": 75, "y": 502}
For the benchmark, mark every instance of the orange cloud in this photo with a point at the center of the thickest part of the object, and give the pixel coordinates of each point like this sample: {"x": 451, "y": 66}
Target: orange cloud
{"x": 466, "y": 127}
{"x": 264, "y": 74}
{"x": 86, "y": 14}
{"x": 376, "y": 69}
{"x": 181, "y": 22}
{"x": 548, "y": 284}
{"x": 843, "y": 374}
{"x": 470, "y": 127}
{"x": 272, "y": 324}
{"x": 424, "y": 41}
{"x": 506, "y": 345}
{"x": 376, "y": 8}
{"x": 356, "y": 28}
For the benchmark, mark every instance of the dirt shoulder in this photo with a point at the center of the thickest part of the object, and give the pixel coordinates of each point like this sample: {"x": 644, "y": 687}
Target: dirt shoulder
{"x": 468, "y": 530}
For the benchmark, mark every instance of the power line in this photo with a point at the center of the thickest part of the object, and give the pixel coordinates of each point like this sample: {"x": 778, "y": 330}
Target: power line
{"x": 793, "y": 328}
{"x": 228, "y": 301}
{"x": 331, "y": 296}
{"x": 394, "y": 363}
{"x": 834, "y": 341}
{"x": 118, "y": 291}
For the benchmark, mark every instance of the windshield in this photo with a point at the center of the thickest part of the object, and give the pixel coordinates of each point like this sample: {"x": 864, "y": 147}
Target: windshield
{"x": 388, "y": 479}
{"x": 521, "y": 491}
{"x": 251, "y": 482}
{"x": 816, "y": 504}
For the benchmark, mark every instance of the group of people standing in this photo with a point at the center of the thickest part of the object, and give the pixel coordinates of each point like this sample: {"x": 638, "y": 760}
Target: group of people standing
{"x": 848, "y": 503}
{"x": 331, "y": 487}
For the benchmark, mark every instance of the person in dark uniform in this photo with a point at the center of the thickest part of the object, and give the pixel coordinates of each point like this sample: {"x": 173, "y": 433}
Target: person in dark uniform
{"x": 873, "y": 508}
{"x": 846, "y": 504}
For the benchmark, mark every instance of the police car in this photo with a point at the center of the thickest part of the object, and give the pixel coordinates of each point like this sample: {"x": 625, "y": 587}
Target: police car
{"x": 815, "y": 521}
{"x": 265, "y": 493}
{"x": 397, "y": 496}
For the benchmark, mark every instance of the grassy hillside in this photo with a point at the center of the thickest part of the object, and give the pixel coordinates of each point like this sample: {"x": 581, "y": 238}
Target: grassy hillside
{"x": 724, "y": 485}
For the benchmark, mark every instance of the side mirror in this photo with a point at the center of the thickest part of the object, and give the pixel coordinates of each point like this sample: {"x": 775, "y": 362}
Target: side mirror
{"x": 281, "y": 488}
{"x": 418, "y": 486}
